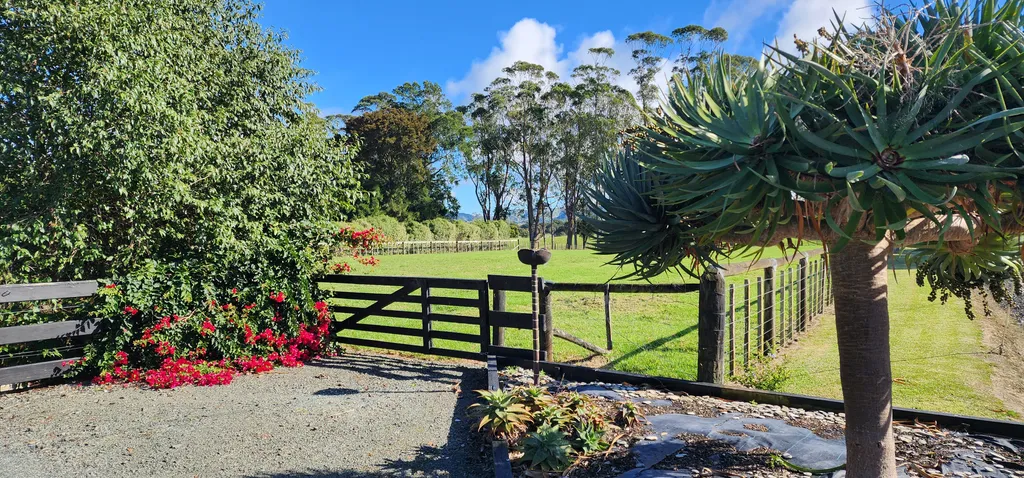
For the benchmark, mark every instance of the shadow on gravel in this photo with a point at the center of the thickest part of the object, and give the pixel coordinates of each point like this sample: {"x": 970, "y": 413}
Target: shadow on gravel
{"x": 395, "y": 368}
{"x": 463, "y": 454}
{"x": 430, "y": 461}
{"x": 334, "y": 392}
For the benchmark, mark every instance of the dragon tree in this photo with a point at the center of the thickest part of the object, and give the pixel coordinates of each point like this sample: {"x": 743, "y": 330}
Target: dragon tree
{"x": 899, "y": 134}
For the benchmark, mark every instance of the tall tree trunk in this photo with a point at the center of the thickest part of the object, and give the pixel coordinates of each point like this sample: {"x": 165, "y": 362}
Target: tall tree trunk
{"x": 862, "y": 326}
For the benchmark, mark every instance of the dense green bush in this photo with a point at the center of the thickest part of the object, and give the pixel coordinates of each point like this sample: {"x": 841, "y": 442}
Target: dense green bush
{"x": 169, "y": 150}
{"x": 467, "y": 231}
{"x": 443, "y": 229}
{"x": 438, "y": 229}
{"x": 393, "y": 230}
{"x": 418, "y": 231}
{"x": 488, "y": 230}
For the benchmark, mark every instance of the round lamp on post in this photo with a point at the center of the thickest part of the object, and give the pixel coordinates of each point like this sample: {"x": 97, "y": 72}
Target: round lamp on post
{"x": 534, "y": 258}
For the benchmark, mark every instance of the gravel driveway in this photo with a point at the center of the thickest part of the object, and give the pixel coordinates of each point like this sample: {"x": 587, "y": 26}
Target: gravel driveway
{"x": 353, "y": 415}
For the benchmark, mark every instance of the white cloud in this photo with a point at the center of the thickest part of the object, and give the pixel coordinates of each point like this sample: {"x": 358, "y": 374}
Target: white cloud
{"x": 527, "y": 40}
{"x": 805, "y": 17}
{"x": 536, "y": 42}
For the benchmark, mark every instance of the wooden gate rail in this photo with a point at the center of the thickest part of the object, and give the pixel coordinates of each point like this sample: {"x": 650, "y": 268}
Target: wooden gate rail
{"x": 20, "y": 334}
{"x": 501, "y": 319}
{"x": 406, "y": 293}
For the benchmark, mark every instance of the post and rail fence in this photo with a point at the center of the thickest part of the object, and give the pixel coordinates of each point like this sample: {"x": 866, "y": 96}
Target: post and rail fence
{"x": 30, "y": 347}
{"x": 438, "y": 247}
{"x": 773, "y": 310}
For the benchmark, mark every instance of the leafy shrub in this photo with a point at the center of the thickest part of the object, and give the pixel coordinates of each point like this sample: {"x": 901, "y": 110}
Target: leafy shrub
{"x": 418, "y": 231}
{"x": 443, "y": 229}
{"x": 392, "y": 229}
{"x": 763, "y": 372}
{"x": 547, "y": 449}
{"x": 501, "y": 413}
{"x": 488, "y": 229}
{"x": 467, "y": 231}
{"x": 205, "y": 186}
{"x": 154, "y": 332}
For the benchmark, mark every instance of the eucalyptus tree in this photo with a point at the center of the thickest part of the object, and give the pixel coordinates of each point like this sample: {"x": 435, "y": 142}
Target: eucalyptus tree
{"x": 696, "y": 46}
{"x": 529, "y": 129}
{"x": 487, "y": 155}
{"x": 901, "y": 133}
{"x": 588, "y": 117}
{"x": 649, "y": 56}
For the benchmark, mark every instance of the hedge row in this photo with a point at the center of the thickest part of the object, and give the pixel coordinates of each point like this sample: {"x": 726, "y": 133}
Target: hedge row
{"x": 438, "y": 229}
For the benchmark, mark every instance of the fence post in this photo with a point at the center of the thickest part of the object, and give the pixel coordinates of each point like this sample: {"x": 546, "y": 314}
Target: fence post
{"x": 711, "y": 327}
{"x": 485, "y": 319}
{"x": 787, "y": 332}
{"x": 822, "y": 292}
{"x": 499, "y": 305}
{"x": 731, "y": 322}
{"x": 428, "y": 342}
{"x": 608, "y": 313}
{"x": 768, "y": 333}
{"x": 802, "y": 308}
{"x": 746, "y": 322}
{"x": 547, "y": 327}
{"x": 759, "y": 290}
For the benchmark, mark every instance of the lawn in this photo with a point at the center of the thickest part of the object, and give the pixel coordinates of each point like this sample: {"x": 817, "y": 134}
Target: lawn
{"x": 938, "y": 362}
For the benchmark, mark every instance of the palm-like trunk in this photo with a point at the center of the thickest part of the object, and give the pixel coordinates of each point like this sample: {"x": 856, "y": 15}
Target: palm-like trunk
{"x": 862, "y": 326}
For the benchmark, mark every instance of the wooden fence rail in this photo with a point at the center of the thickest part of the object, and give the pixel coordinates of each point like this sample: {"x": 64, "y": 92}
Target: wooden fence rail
{"x": 435, "y": 247}
{"x": 48, "y": 331}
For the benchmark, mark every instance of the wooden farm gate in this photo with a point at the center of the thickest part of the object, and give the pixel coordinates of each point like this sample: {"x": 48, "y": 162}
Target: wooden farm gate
{"x": 427, "y": 292}
{"x": 28, "y": 345}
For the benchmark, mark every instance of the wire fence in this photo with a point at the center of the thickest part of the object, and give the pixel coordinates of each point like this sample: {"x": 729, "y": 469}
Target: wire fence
{"x": 769, "y": 312}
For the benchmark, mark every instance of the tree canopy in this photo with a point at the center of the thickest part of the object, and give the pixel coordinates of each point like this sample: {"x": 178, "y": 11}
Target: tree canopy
{"x": 148, "y": 135}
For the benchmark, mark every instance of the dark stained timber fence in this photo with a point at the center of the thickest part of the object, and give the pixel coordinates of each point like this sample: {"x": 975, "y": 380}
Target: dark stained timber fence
{"x": 417, "y": 319}
{"x": 33, "y": 339}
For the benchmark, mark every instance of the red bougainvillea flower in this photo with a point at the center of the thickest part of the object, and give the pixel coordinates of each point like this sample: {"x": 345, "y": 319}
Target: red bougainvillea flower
{"x": 130, "y": 310}
{"x": 207, "y": 328}
{"x": 121, "y": 358}
{"x": 234, "y": 291}
{"x": 247, "y": 307}
{"x": 110, "y": 286}
{"x": 277, "y": 297}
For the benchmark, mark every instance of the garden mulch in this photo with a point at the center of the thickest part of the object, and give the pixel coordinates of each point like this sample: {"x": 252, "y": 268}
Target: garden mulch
{"x": 353, "y": 415}
{"x": 696, "y": 436}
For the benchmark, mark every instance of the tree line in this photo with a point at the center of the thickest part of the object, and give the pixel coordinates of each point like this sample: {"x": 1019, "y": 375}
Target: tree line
{"x": 530, "y": 143}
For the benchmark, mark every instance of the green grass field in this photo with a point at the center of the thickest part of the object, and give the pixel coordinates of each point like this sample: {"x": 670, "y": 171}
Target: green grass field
{"x": 938, "y": 360}
{"x": 936, "y": 350}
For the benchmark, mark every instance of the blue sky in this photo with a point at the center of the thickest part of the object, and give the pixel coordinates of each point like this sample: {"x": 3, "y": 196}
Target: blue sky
{"x": 358, "y": 47}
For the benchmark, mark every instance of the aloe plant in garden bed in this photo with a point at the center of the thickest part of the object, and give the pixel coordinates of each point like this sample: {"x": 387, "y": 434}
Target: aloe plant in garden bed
{"x": 552, "y": 432}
